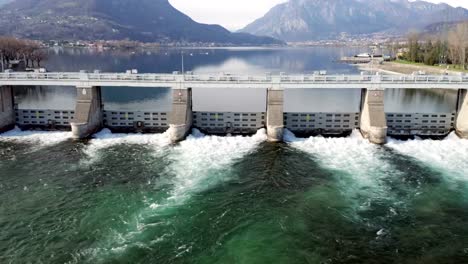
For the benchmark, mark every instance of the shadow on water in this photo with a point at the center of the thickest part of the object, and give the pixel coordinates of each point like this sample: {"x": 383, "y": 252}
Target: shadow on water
{"x": 53, "y": 206}
{"x": 244, "y": 220}
{"x": 430, "y": 226}
{"x": 275, "y": 204}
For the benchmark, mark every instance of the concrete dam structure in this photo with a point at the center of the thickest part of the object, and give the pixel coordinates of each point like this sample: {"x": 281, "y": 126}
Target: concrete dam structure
{"x": 270, "y": 103}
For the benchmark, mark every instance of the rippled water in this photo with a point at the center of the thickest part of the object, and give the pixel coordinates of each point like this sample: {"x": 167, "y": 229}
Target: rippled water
{"x": 138, "y": 199}
{"x": 132, "y": 198}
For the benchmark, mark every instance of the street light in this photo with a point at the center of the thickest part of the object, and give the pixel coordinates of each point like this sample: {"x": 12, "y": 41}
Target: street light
{"x": 182, "y": 55}
{"x": 1, "y": 59}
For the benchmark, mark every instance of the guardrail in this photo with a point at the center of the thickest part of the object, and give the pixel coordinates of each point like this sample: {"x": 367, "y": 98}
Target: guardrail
{"x": 149, "y": 78}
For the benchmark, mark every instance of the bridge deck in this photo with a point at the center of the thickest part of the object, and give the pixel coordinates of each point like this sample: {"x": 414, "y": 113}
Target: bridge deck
{"x": 235, "y": 81}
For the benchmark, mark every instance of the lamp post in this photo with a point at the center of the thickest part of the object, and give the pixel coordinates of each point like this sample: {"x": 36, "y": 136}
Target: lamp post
{"x": 182, "y": 56}
{"x": 1, "y": 59}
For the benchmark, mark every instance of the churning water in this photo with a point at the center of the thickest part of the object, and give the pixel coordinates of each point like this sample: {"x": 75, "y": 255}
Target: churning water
{"x": 138, "y": 199}
{"x": 132, "y": 198}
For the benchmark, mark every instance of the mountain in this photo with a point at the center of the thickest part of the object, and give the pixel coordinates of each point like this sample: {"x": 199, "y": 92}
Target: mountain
{"x": 4, "y": 2}
{"x": 142, "y": 20}
{"x": 301, "y": 20}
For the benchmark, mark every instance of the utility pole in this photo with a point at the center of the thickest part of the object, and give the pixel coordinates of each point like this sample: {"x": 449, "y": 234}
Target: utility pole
{"x": 182, "y": 55}
{"x": 1, "y": 58}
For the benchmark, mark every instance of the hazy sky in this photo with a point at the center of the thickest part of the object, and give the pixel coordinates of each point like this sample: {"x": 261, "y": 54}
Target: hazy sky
{"x": 235, "y": 14}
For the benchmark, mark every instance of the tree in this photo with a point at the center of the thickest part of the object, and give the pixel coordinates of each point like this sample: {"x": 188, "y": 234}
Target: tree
{"x": 431, "y": 55}
{"x": 458, "y": 42}
{"x": 38, "y": 56}
{"x": 17, "y": 49}
{"x": 413, "y": 53}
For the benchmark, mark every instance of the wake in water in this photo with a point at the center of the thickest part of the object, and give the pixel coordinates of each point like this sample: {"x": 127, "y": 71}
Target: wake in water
{"x": 41, "y": 138}
{"x": 447, "y": 155}
{"x": 196, "y": 164}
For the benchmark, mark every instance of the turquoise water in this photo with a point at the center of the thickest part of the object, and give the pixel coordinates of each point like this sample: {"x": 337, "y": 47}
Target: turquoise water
{"x": 138, "y": 199}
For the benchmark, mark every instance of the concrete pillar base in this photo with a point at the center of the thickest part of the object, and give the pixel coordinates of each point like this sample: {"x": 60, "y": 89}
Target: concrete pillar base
{"x": 88, "y": 112}
{"x": 376, "y": 135}
{"x": 373, "y": 119}
{"x": 181, "y": 115}
{"x": 275, "y": 115}
{"x": 461, "y": 124}
{"x": 275, "y": 133}
{"x": 84, "y": 130}
{"x": 7, "y": 111}
{"x": 178, "y": 132}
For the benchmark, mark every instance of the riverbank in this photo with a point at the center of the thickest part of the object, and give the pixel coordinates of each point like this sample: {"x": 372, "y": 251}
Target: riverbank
{"x": 404, "y": 67}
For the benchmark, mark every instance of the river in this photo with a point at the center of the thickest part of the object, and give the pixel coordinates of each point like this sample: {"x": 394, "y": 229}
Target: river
{"x": 132, "y": 198}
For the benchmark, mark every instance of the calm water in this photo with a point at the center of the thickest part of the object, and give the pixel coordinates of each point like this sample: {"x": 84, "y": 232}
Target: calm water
{"x": 216, "y": 61}
{"x": 138, "y": 199}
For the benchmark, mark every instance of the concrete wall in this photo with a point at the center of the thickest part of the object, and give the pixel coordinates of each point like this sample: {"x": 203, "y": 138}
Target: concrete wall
{"x": 7, "y": 113}
{"x": 275, "y": 115}
{"x": 373, "y": 120}
{"x": 181, "y": 115}
{"x": 416, "y": 124}
{"x": 310, "y": 124}
{"x": 88, "y": 112}
{"x": 44, "y": 119}
{"x": 136, "y": 121}
{"x": 220, "y": 112}
{"x": 228, "y": 122}
{"x": 461, "y": 124}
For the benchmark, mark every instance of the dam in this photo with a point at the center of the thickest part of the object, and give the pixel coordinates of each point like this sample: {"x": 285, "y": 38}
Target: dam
{"x": 271, "y": 105}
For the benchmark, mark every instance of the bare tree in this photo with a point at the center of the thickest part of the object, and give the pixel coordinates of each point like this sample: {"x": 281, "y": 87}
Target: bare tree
{"x": 17, "y": 49}
{"x": 39, "y": 56}
{"x": 458, "y": 44}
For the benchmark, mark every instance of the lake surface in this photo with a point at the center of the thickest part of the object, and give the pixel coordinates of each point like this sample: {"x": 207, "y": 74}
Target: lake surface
{"x": 119, "y": 198}
{"x": 253, "y": 61}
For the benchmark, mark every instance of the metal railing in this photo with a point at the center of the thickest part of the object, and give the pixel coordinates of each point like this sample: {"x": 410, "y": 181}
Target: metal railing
{"x": 240, "y": 79}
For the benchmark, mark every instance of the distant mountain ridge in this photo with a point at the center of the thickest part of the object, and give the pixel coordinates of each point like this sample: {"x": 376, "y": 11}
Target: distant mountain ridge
{"x": 302, "y": 20}
{"x": 4, "y": 2}
{"x": 142, "y": 20}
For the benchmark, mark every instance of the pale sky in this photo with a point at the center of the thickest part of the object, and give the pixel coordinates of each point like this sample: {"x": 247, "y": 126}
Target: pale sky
{"x": 235, "y": 14}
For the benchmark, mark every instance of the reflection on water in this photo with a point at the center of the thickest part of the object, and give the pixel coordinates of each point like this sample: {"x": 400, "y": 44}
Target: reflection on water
{"x": 420, "y": 101}
{"x": 229, "y": 100}
{"x": 137, "y": 98}
{"x": 235, "y": 61}
{"x": 45, "y": 97}
{"x": 322, "y": 100}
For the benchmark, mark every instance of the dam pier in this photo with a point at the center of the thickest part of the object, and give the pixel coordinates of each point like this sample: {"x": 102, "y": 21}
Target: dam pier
{"x": 270, "y": 98}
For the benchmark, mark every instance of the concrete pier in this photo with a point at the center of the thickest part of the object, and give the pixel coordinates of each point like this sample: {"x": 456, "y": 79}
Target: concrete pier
{"x": 461, "y": 122}
{"x": 7, "y": 112}
{"x": 373, "y": 119}
{"x": 275, "y": 115}
{"x": 88, "y": 112}
{"x": 181, "y": 115}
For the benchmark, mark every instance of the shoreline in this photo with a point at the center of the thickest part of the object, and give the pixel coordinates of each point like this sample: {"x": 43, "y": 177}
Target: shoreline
{"x": 402, "y": 68}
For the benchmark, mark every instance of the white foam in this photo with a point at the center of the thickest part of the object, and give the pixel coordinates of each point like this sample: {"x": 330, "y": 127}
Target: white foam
{"x": 106, "y": 139}
{"x": 196, "y": 164}
{"x": 201, "y": 161}
{"x": 448, "y": 155}
{"x": 362, "y": 162}
{"x": 43, "y": 138}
